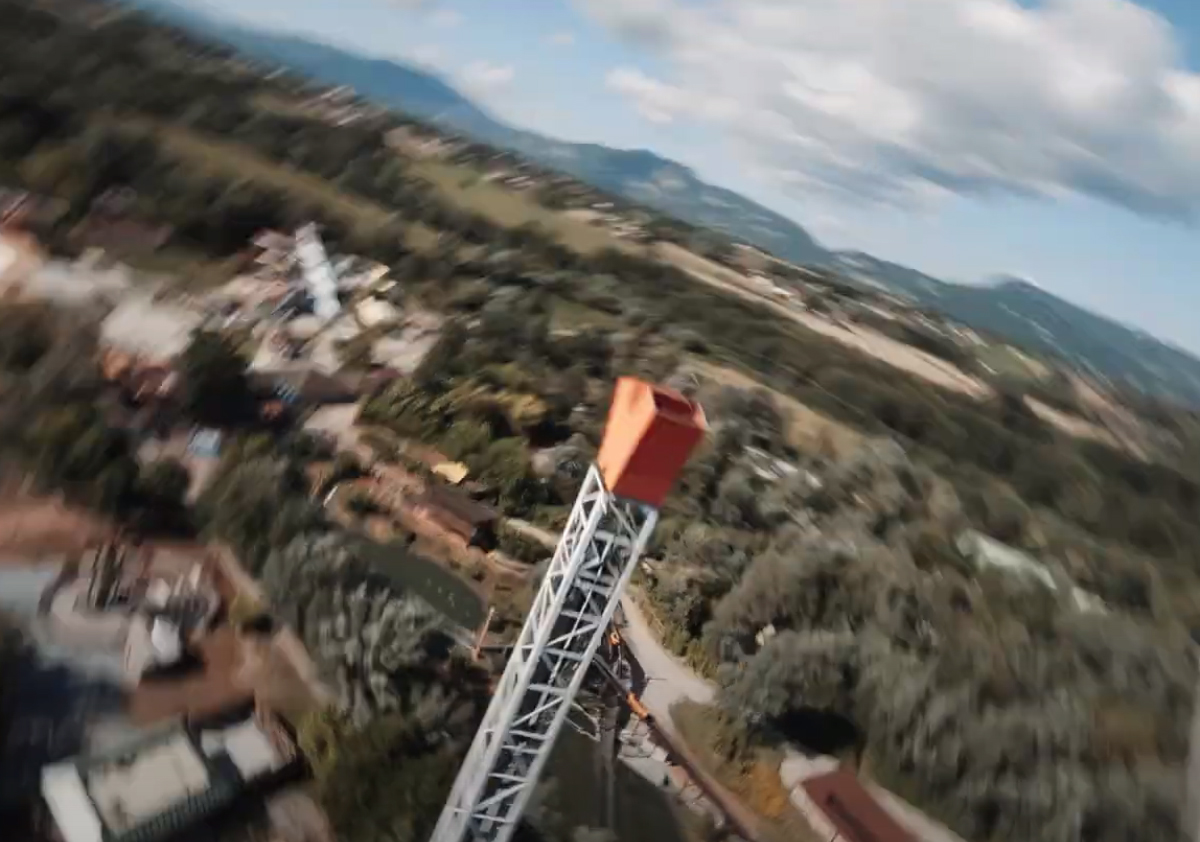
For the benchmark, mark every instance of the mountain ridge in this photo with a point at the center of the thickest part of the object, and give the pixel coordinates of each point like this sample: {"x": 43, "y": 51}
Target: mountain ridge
{"x": 1012, "y": 308}
{"x": 637, "y": 174}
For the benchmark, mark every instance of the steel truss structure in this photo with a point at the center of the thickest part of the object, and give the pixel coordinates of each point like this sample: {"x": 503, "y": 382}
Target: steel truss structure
{"x": 574, "y": 606}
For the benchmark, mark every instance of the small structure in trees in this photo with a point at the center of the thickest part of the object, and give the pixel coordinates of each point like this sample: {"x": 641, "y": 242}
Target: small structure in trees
{"x": 471, "y": 520}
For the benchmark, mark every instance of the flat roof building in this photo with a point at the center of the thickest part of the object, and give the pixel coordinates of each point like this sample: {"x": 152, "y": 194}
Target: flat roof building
{"x": 151, "y": 788}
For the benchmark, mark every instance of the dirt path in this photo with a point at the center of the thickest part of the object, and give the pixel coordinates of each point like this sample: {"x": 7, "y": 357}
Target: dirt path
{"x": 668, "y": 680}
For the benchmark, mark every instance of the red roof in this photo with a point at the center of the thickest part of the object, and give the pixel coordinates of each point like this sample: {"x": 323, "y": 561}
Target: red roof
{"x": 855, "y": 813}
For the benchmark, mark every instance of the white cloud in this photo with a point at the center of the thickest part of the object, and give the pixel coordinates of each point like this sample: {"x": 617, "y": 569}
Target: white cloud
{"x": 654, "y": 100}
{"x": 445, "y": 18}
{"x": 912, "y": 100}
{"x": 481, "y": 78}
{"x": 430, "y": 55}
{"x": 564, "y": 38}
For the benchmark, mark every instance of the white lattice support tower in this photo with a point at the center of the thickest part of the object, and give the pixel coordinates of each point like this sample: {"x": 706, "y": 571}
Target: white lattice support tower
{"x": 575, "y": 604}
{"x": 649, "y": 435}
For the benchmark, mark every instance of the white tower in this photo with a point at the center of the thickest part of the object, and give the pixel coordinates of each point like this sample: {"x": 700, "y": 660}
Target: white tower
{"x": 649, "y": 435}
{"x": 318, "y": 273}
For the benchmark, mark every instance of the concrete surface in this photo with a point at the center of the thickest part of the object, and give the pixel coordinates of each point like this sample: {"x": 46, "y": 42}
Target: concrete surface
{"x": 668, "y": 680}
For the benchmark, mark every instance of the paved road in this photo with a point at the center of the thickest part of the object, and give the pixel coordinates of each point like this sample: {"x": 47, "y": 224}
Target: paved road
{"x": 668, "y": 680}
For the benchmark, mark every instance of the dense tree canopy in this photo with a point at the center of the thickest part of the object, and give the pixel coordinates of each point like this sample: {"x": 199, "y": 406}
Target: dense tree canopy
{"x": 215, "y": 390}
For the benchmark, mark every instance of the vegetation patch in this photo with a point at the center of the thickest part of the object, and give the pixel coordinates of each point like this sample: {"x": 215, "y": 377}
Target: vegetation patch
{"x": 466, "y": 188}
{"x": 442, "y": 589}
{"x": 748, "y": 770}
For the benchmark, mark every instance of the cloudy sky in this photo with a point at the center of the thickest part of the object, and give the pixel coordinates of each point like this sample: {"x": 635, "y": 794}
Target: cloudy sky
{"x": 1054, "y": 139}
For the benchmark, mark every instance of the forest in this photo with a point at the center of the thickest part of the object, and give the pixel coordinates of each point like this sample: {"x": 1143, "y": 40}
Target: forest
{"x": 836, "y": 593}
{"x": 400, "y": 689}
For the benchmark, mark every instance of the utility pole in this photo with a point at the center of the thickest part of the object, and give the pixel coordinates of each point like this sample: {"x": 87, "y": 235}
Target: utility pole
{"x": 649, "y": 435}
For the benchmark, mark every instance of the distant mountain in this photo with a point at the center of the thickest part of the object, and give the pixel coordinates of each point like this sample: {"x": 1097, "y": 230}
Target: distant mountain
{"x": 1016, "y": 310}
{"x": 871, "y": 271}
{"x": 1029, "y": 317}
{"x": 637, "y": 174}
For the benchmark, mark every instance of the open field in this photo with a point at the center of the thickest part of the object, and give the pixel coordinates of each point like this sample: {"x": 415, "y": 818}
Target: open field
{"x": 209, "y": 154}
{"x": 1122, "y": 423}
{"x": 1007, "y": 361}
{"x": 1072, "y": 425}
{"x": 807, "y": 430}
{"x": 571, "y": 315}
{"x": 445, "y": 591}
{"x": 871, "y": 342}
{"x": 511, "y": 209}
{"x": 896, "y": 353}
{"x": 706, "y": 270}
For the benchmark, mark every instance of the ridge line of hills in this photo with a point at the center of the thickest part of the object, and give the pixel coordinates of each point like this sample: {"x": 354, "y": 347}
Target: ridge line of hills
{"x": 1014, "y": 309}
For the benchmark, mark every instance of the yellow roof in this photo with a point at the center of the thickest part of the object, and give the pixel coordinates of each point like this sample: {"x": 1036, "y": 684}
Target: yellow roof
{"x": 451, "y": 472}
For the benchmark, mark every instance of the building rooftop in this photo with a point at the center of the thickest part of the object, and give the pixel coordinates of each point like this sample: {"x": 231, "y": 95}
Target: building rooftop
{"x": 150, "y": 788}
{"x": 852, "y": 810}
{"x": 155, "y": 330}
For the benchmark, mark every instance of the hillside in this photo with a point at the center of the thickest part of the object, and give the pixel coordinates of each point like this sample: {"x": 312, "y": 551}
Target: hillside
{"x": 636, "y": 174}
{"x": 1028, "y": 316}
{"x": 1033, "y": 318}
{"x": 1020, "y": 313}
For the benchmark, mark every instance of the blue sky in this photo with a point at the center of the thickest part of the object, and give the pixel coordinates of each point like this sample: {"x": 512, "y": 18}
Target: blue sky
{"x": 1058, "y": 140}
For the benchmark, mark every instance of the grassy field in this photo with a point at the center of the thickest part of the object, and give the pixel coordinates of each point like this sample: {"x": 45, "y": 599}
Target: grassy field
{"x": 510, "y": 208}
{"x": 571, "y": 315}
{"x": 1007, "y": 361}
{"x": 210, "y": 154}
{"x": 808, "y": 430}
{"x": 435, "y": 584}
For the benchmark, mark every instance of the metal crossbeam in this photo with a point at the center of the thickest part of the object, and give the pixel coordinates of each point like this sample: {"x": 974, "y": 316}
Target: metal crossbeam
{"x": 594, "y": 559}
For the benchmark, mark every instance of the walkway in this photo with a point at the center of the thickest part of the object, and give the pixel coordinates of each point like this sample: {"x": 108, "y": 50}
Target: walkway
{"x": 668, "y": 680}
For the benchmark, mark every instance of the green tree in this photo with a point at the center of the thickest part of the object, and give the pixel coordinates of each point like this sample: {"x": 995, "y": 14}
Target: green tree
{"x": 466, "y": 438}
{"x": 165, "y": 483}
{"x": 162, "y": 491}
{"x": 257, "y": 505}
{"x": 386, "y": 779}
{"x": 215, "y": 389}
{"x": 27, "y": 336}
{"x": 443, "y": 359}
